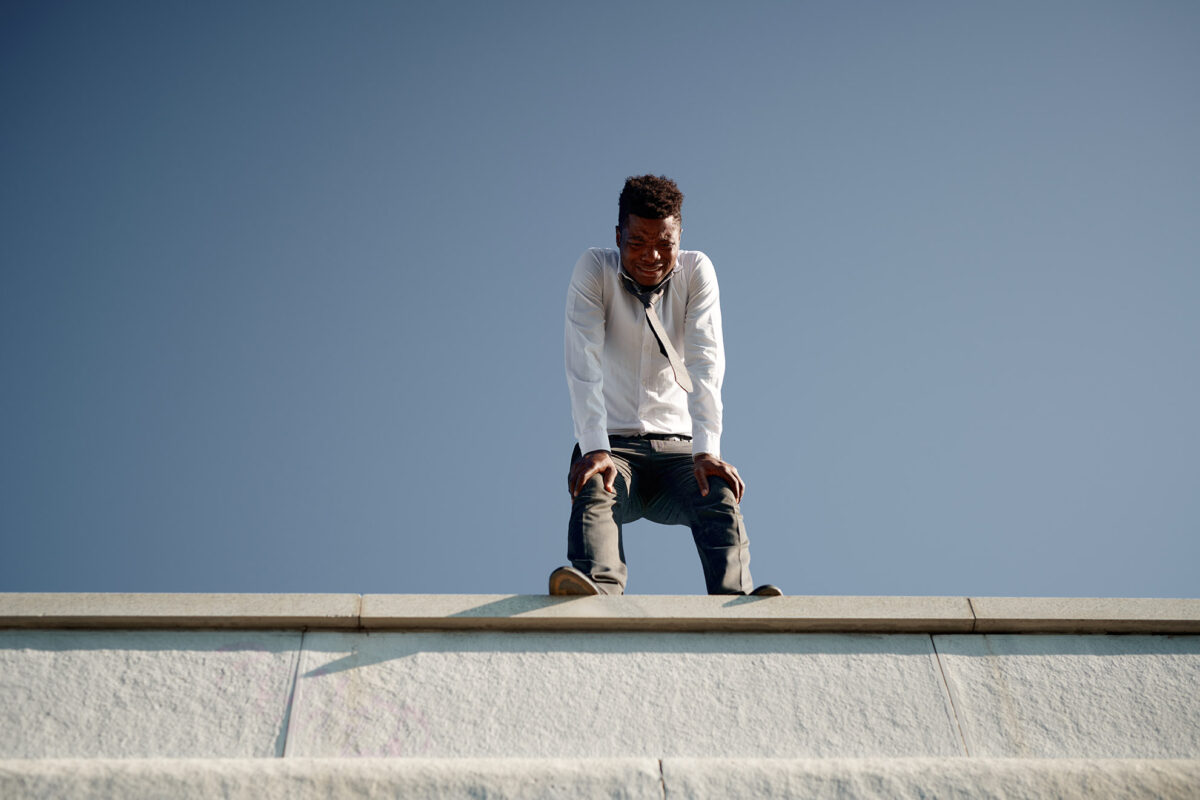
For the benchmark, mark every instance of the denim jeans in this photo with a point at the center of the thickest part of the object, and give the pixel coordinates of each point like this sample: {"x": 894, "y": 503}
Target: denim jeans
{"x": 655, "y": 481}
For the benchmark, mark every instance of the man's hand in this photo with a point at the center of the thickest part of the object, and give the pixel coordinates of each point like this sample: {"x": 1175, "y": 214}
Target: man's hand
{"x": 597, "y": 461}
{"x": 705, "y": 464}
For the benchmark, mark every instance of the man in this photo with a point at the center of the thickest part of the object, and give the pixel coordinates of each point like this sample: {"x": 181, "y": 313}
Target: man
{"x": 645, "y": 361}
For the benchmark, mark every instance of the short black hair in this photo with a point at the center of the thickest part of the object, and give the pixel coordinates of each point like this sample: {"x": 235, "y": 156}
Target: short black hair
{"x": 650, "y": 197}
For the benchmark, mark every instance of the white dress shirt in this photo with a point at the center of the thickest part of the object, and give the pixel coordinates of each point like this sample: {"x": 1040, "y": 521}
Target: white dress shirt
{"x": 619, "y": 381}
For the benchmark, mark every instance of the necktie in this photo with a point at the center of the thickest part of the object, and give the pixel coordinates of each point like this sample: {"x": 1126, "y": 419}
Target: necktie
{"x": 649, "y": 296}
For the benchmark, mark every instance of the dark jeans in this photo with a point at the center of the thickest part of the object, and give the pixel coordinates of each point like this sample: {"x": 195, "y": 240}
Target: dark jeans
{"x": 655, "y": 481}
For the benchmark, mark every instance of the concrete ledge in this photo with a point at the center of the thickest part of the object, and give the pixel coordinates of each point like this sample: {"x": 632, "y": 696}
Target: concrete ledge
{"x": 829, "y": 614}
{"x": 1085, "y": 615}
{"x": 616, "y": 778}
{"x": 245, "y": 611}
{"x": 668, "y": 613}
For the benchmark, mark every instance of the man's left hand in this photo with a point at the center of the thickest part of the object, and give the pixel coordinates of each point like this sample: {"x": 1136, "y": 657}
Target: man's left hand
{"x": 705, "y": 464}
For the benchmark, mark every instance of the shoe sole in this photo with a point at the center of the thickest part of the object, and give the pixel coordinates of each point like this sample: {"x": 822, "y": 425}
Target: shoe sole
{"x": 568, "y": 584}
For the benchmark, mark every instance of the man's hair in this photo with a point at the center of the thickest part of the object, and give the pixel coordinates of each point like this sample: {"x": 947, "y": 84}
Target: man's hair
{"x": 650, "y": 197}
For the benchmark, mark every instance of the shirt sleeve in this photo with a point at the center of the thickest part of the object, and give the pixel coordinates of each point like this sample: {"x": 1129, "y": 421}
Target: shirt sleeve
{"x": 704, "y": 354}
{"x": 584, "y": 346}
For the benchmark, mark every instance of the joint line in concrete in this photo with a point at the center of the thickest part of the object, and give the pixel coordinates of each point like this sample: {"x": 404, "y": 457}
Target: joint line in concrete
{"x": 974, "y": 616}
{"x": 662, "y": 780}
{"x": 950, "y": 697}
{"x": 291, "y": 698}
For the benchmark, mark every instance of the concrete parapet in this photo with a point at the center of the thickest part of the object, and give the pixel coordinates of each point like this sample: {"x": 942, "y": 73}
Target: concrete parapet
{"x": 668, "y": 613}
{"x": 572, "y": 695}
{"x": 1085, "y": 615}
{"x": 518, "y": 696}
{"x": 581, "y": 694}
{"x": 171, "y": 611}
{"x": 114, "y": 694}
{"x": 799, "y": 614}
{"x": 1075, "y": 696}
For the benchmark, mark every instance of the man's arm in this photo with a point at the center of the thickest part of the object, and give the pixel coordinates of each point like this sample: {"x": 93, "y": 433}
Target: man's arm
{"x": 704, "y": 353}
{"x": 583, "y": 347}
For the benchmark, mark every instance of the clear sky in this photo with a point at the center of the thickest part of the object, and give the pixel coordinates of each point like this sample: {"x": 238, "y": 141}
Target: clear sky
{"x": 282, "y": 288}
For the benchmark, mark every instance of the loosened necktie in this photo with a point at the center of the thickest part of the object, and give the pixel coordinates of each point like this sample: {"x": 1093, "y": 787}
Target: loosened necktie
{"x": 649, "y": 297}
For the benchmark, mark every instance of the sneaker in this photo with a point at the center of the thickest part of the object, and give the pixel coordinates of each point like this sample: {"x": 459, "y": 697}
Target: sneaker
{"x": 768, "y": 590}
{"x": 570, "y": 581}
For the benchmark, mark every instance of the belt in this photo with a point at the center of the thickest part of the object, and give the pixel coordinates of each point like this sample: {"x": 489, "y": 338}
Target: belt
{"x": 656, "y": 437}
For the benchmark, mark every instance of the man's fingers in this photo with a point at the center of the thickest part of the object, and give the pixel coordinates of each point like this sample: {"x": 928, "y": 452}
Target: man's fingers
{"x": 739, "y": 485}
{"x": 727, "y": 472}
{"x": 610, "y": 478}
{"x": 582, "y": 479}
{"x": 574, "y": 479}
{"x": 581, "y": 475}
{"x": 731, "y": 477}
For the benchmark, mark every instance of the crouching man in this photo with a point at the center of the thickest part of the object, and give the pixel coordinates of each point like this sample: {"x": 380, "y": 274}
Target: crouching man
{"x": 645, "y": 361}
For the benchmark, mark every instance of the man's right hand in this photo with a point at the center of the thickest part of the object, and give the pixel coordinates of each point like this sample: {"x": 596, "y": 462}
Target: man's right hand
{"x": 595, "y": 462}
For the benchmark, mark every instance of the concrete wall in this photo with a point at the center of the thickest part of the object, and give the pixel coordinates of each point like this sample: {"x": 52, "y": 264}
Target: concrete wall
{"x": 521, "y": 696}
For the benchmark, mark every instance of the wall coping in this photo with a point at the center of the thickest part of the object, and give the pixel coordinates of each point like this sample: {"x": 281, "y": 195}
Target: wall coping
{"x": 663, "y": 613}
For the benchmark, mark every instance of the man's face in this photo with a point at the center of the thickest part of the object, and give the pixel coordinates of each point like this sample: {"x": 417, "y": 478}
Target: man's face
{"x": 648, "y": 248}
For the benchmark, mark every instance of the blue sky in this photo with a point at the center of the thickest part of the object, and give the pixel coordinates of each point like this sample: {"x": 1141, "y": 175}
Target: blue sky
{"x": 281, "y": 288}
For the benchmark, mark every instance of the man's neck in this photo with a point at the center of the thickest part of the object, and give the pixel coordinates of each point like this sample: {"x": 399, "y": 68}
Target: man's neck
{"x": 640, "y": 290}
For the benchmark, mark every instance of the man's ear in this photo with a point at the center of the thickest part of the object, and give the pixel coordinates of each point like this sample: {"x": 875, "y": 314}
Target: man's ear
{"x": 618, "y": 237}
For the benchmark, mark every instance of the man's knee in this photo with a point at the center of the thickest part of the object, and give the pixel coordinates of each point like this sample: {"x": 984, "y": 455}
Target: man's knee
{"x": 717, "y": 517}
{"x": 593, "y": 492}
{"x": 720, "y": 495}
{"x": 594, "y": 503}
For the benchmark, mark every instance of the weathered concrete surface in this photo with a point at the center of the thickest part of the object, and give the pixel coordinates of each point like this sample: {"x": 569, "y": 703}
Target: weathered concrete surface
{"x": 1085, "y": 615}
{"x": 629, "y": 613}
{"x": 144, "y": 693}
{"x": 95, "y": 610}
{"x": 1075, "y": 696}
{"x": 580, "y": 694}
{"x": 947, "y": 779}
{"x": 511, "y": 696}
{"x": 669, "y": 613}
{"x": 595, "y": 695}
{"x": 302, "y": 779}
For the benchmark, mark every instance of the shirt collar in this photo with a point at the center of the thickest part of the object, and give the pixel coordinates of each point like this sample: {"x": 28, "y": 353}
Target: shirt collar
{"x": 639, "y": 290}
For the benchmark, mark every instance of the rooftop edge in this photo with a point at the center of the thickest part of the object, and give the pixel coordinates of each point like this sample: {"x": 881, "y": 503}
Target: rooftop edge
{"x": 665, "y": 613}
